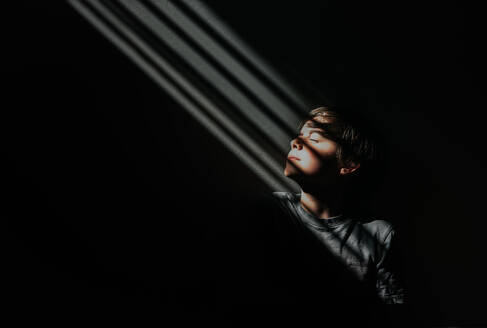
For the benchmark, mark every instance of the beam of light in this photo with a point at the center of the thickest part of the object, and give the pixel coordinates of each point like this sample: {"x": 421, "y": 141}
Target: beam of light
{"x": 229, "y": 62}
{"x": 236, "y": 42}
{"x": 197, "y": 62}
{"x": 275, "y": 183}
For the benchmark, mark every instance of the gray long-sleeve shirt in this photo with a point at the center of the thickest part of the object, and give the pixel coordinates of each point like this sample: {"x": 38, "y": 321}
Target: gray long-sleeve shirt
{"x": 365, "y": 248}
{"x": 280, "y": 265}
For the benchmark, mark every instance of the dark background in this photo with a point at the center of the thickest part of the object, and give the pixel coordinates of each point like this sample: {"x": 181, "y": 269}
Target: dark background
{"x": 110, "y": 187}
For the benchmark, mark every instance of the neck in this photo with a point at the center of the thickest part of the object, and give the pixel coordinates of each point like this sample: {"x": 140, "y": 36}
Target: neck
{"x": 323, "y": 203}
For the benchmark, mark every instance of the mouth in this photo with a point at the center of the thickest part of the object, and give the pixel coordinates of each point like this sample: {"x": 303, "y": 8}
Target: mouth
{"x": 293, "y": 158}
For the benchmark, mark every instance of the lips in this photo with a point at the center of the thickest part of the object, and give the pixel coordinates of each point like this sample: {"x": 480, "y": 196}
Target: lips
{"x": 293, "y": 158}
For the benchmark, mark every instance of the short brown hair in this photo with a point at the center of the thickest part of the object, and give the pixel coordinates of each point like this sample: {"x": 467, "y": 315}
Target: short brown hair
{"x": 355, "y": 142}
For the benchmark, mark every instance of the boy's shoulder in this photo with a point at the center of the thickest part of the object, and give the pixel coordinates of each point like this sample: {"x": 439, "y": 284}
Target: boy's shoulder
{"x": 285, "y": 200}
{"x": 281, "y": 195}
{"x": 379, "y": 228}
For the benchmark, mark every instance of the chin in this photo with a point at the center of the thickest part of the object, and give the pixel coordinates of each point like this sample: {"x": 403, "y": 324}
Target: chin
{"x": 289, "y": 172}
{"x": 291, "y": 175}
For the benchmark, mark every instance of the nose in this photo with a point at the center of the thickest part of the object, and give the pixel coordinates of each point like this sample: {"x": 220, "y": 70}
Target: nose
{"x": 296, "y": 143}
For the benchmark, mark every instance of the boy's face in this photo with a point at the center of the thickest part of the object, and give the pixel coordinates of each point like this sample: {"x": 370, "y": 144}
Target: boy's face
{"x": 312, "y": 157}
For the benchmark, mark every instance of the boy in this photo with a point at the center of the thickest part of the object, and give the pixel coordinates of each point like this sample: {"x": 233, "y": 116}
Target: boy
{"x": 323, "y": 160}
{"x": 303, "y": 259}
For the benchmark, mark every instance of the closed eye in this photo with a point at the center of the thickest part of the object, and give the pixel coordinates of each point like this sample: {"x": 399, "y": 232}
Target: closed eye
{"x": 314, "y": 140}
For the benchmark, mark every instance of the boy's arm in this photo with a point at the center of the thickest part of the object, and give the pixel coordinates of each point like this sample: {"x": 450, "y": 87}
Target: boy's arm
{"x": 390, "y": 284}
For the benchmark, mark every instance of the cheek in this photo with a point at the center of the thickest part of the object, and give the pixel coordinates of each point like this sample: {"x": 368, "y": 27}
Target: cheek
{"x": 320, "y": 161}
{"x": 310, "y": 162}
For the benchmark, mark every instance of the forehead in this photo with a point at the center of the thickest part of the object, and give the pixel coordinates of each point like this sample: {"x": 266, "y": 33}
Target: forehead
{"x": 324, "y": 127}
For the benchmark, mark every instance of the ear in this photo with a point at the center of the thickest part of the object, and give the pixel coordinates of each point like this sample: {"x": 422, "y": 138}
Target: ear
{"x": 352, "y": 166}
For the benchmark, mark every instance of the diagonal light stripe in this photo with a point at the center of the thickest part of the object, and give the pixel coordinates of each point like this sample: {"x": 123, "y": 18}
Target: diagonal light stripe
{"x": 266, "y": 125}
{"x": 263, "y": 172}
{"x": 196, "y": 94}
{"x": 232, "y": 66}
{"x": 236, "y": 42}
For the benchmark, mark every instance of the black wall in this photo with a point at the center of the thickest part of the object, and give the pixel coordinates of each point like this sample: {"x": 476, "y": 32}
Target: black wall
{"x": 109, "y": 184}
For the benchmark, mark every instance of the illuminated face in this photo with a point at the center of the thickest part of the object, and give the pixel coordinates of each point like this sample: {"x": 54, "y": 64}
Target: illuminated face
{"x": 312, "y": 157}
